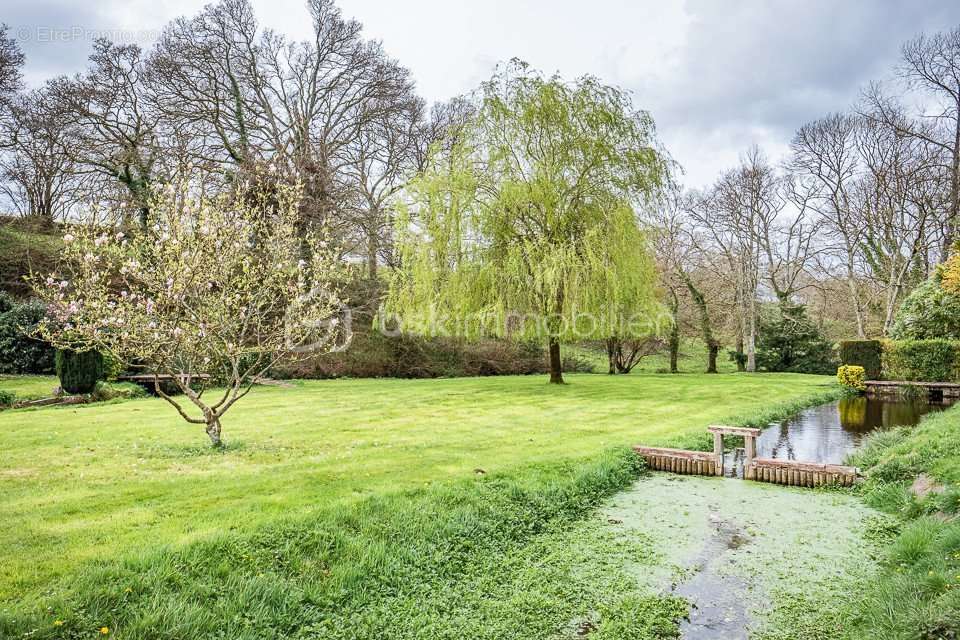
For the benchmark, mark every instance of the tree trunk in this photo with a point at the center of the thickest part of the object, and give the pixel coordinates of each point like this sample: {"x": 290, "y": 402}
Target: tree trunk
{"x": 855, "y": 296}
{"x": 741, "y": 365}
{"x": 556, "y": 364}
{"x": 953, "y": 233}
{"x": 213, "y": 430}
{"x": 712, "y": 350}
{"x": 674, "y": 343}
{"x": 612, "y": 355}
{"x": 706, "y": 327}
{"x": 372, "y": 249}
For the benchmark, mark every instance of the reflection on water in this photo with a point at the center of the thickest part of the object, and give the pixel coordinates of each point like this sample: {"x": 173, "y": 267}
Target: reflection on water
{"x": 829, "y": 432}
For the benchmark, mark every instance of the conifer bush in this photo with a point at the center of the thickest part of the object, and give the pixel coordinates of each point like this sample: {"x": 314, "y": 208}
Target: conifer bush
{"x": 79, "y": 371}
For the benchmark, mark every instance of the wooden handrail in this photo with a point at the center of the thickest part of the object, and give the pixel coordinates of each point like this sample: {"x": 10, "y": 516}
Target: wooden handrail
{"x": 733, "y": 431}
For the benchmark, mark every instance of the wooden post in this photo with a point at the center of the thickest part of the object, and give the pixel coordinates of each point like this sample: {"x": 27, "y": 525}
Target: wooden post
{"x": 718, "y": 452}
{"x": 750, "y": 452}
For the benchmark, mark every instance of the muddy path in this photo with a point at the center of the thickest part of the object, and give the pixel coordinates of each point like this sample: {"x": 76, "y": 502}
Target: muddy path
{"x": 744, "y": 554}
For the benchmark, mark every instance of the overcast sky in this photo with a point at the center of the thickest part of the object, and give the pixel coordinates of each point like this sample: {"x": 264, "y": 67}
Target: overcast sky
{"x": 717, "y": 75}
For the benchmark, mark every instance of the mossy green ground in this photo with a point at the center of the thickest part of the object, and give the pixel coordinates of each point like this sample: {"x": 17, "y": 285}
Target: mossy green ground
{"x": 767, "y": 549}
{"x": 131, "y": 480}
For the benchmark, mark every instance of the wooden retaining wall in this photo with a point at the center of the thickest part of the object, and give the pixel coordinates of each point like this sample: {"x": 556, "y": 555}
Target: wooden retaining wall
{"x": 700, "y": 463}
{"x": 937, "y": 391}
{"x": 799, "y": 474}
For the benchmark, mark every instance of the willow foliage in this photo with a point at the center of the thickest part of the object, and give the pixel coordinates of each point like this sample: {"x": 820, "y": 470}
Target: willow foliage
{"x": 524, "y": 222}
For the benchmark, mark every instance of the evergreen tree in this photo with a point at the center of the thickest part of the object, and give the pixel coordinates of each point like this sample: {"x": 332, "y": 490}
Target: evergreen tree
{"x": 789, "y": 341}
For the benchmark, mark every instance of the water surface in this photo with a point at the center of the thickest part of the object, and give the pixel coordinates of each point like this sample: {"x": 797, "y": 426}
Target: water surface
{"x": 829, "y": 432}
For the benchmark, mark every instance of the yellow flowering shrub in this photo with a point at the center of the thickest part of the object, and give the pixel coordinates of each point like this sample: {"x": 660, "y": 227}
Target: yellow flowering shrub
{"x": 950, "y": 274}
{"x": 852, "y": 377}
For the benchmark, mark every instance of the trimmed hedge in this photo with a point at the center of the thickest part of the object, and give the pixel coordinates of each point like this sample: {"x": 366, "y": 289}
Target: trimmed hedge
{"x": 922, "y": 360}
{"x": 80, "y": 371}
{"x": 863, "y": 353}
{"x": 19, "y": 351}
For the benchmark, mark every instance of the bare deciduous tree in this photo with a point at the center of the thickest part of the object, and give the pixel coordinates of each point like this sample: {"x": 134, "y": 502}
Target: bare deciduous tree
{"x": 930, "y": 68}
{"x": 39, "y": 177}
{"x": 114, "y": 125}
{"x": 11, "y": 59}
{"x": 825, "y": 161}
{"x": 252, "y": 97}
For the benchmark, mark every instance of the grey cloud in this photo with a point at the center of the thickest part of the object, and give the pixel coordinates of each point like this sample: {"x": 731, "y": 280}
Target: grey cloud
{"x": 761, "y": 69}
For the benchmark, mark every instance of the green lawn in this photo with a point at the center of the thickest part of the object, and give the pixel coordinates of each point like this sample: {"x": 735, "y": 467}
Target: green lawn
{"x": 95, "y": 481}
{"x": 692, "y": 358}
{"x": 29, "y": 387}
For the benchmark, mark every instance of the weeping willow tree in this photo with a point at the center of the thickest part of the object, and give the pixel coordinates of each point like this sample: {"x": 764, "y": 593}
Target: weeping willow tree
{"x": 524, "y": 222}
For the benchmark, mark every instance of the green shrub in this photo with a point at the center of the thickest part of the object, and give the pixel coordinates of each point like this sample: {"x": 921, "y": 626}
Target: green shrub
{"x": 20, "y": 353}
{"x": 863, "y": 353}
{"x": 921, "y": 360}
{"x": 789, "y": 341}
{"x": 79, "y": 371}
{"x": 928, "y": 312}
{"x": 111, "y": 367}
{"x": 114, "y": 390}
{"x": 852, "y": 377}
{"x": 7, "y": 398}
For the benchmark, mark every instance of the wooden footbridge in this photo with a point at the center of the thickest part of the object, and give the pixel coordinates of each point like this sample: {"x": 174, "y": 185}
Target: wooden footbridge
{"x": 705, "y": 463}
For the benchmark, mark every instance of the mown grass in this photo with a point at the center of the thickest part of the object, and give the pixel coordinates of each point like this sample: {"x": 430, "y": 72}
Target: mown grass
{"x": 692, "y": 359}
{"x": 918, "y": 594}
{"x": 29, "y": 387}
{"x": 96, "y": 495}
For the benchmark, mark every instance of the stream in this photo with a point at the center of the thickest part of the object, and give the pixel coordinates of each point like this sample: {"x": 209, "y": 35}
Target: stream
{"x": 830, "y": 432}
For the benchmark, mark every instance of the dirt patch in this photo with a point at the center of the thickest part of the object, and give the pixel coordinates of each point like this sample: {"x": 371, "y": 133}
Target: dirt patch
{"x": 924, "y": 485}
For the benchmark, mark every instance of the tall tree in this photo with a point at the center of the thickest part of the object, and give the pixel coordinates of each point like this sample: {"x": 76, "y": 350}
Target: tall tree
{"x": 930, "y": 68}
{"x": 39, "y": 177}
{"x": 11, "y": 60}
{"x": 313, "y": 110}
{"x": 742, "y": 203}
{"x": 681, "y": 255}
{"x": 114, "y": 124}
{"x": 826, "y": 161}
{"x": 527, "y": 226}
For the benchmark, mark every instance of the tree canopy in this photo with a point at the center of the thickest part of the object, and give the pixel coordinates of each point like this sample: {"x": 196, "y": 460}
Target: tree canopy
{"x": 524, "y": 223}
{"x": 224, "y": 287}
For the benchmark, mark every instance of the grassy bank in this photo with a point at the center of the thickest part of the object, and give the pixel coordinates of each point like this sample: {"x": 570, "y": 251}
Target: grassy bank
{"x": 355, "y": 470}
{"x": 918, "y": 594}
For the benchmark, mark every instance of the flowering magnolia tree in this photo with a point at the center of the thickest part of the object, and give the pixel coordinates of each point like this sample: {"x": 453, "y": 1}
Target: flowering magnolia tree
{"x": 221, "y": 288}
